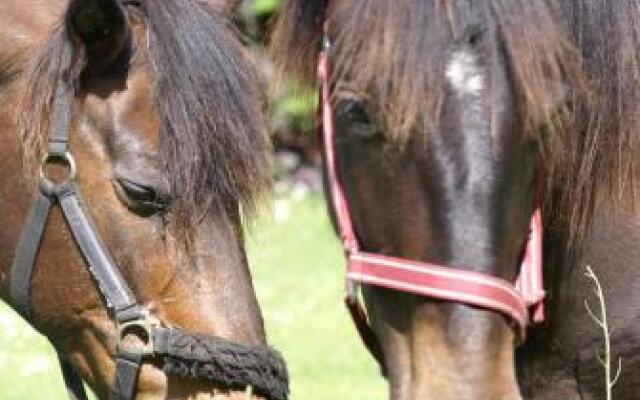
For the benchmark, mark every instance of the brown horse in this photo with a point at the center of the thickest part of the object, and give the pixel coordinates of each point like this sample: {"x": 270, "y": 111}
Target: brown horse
{"x": 446, "y": 114}
{"x": 169, "y": 143}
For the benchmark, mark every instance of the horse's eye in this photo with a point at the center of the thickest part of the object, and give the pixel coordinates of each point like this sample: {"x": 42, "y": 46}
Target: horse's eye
{"x": 140, "y": 198}
{"x": 353, "y": 118}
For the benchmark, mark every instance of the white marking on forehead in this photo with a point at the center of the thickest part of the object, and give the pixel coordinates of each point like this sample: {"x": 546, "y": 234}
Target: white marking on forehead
{"x": 464, "y": 74}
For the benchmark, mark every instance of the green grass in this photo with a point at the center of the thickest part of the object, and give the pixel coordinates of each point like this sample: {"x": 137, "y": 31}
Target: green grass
{"x": 298, "y": 273}
{"x": 28, "y": 366}
{"x": 299, "y": 270}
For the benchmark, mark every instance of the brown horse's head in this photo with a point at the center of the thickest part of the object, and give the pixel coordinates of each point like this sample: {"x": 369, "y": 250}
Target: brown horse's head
{"x": 170, "y": 144}
{"x": 440, "y": 110}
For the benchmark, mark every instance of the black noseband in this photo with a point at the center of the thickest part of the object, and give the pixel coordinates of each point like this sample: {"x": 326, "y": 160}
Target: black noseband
{"x": 230, "y": 365}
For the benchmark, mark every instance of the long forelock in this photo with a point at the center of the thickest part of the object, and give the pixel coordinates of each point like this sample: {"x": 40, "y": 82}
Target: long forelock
{"x": 584, "y": 52}
{"x": 213, "y": 136}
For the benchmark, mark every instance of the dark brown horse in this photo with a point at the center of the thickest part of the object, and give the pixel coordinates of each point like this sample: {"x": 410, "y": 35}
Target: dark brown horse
{"x": 446, "y": 114}
{"x": 167, "y": 132}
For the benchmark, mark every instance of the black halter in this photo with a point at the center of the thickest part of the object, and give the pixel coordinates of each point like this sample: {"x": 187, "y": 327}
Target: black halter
{"x": 228, "y": 364}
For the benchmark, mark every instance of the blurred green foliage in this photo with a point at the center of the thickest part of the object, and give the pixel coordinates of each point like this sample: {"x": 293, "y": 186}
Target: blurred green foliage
{"x": 263, "y": 7}
{"x": 299, "y": 104}
{"x": 292, "y": 108}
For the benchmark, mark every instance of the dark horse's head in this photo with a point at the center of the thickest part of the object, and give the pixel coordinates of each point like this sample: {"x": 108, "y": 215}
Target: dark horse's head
{"x": 170, "y": 145}
{"x": 446, "y": 112}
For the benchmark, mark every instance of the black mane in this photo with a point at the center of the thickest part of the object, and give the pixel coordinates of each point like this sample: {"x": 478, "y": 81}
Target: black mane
{"x": 213, "y": 134}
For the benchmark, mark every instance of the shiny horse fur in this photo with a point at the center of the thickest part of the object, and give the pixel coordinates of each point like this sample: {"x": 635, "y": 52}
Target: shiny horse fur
{"x": 169, "y": 142}
{"x": 447, "y": 113}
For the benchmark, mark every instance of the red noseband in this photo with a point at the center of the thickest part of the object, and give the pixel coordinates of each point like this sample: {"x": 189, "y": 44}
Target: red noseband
{"x": 427, "y": 279}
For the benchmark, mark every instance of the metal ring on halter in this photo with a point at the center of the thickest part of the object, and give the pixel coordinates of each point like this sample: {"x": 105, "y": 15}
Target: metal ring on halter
{"x": 143, "y": 328}
{"x": 48, "y": 185}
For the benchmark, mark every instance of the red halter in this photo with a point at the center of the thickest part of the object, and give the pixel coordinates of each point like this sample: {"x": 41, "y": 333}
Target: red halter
{"x": 423, "y": 278}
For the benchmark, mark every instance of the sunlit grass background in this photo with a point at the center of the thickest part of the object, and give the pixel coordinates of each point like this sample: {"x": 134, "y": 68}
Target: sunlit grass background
{"x": 298, "y": 274}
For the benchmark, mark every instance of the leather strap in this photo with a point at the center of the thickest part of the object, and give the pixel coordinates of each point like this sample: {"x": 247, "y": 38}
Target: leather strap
{"x": 26, "y": 252}
{"x": 530, "y": 282}
{"x": 126, "y": 376}
{"x": 62, "y": 109}
{"x": 441, "y": 282}
{"x": 72, "y": 380}
{"x": 360, "y": 320}
{"x": 325, "y": 129}
{"x": 29, "y": 243}
{"x": 115, "y": 292}
{"x": 114, "y": 289}
{"x": 112, "y": 285}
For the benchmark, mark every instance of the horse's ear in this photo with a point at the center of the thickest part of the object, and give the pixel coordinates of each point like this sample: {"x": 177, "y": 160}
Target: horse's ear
{"x": 100, "y": 26}
{"x": 223, "y": 7}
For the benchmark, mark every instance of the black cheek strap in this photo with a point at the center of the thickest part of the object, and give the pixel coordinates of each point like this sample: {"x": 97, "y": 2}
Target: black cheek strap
{"x": 119, "y": 299}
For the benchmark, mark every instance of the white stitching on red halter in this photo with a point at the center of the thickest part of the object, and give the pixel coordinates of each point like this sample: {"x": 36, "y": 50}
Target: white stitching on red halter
{"x": 427, "y": 279}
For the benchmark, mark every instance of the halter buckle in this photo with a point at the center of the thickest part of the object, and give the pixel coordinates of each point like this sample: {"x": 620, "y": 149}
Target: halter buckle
{"x": 143, "y": 328}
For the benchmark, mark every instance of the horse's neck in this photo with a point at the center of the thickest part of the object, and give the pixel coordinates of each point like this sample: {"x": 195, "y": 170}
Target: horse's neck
{"x": 616, "y": 230}
{"x": 612, "y": 242}
{"x": 610, "y": 246}
{"x": 612, "y": 251}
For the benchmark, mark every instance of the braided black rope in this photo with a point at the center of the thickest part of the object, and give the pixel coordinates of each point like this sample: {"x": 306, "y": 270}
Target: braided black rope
{"x": 228, "y": 364}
